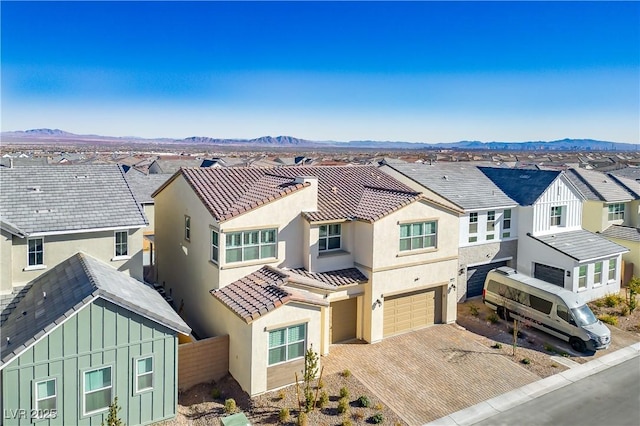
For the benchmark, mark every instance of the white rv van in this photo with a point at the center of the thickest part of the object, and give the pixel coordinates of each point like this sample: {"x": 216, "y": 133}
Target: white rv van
{"x": 545, "y": 306}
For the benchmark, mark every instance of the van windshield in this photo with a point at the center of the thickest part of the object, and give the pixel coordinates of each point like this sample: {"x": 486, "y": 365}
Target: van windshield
{"x": 584, "y": 316}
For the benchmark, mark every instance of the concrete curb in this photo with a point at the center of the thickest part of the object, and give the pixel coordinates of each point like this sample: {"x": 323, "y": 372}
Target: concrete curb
{"x": 506, "y": 401}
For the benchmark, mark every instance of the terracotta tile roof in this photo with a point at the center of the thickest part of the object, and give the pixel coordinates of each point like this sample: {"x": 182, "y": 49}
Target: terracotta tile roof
{"x": 338, "y": 278}
{"x": 261, "y": 292}
{"x": 359, "y": 192}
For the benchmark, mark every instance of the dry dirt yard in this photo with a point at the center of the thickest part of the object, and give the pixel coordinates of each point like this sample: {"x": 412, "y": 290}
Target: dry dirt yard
{"x": 540, "y": 353}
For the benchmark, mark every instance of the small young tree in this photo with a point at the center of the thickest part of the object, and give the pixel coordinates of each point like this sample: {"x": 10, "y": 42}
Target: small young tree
{"x": 112, "y": 416}
{"x": 310, "y": 372}
{"x": 634, "y": 290}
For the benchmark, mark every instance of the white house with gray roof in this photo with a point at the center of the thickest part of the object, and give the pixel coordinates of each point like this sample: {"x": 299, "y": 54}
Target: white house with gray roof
{"x": 488, "y": 228}
{"x": 49, "y": 213}
{"x": 552, "y": 245}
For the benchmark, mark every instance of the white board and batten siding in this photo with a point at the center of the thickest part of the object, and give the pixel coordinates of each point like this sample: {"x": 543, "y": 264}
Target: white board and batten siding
{"x": 562, "y": 194}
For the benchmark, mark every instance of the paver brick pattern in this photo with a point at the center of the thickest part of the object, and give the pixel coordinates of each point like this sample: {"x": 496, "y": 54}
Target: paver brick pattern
{"x": 427, "y": 374}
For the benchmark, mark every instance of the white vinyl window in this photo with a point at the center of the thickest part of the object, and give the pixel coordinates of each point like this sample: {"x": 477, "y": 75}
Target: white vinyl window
{"x": 144, "y": 374}
{"x": 287, "y": 344}
{"x": 597, "y": 273}
{"x": 121, "y": 243}
{"x": 35, "y": 251}
{"x": 215, "y": 244}
{"x": 250, "y": 245}
{"x": 612, "y": 269}
{"x": 506, "y": 224}
{"x": 330, "y": 237}
{"x": 582, "y": 277}
{"x": 491, "y": 224}
{"x": 46, "y": 395}
{"x": 97, "y": 389}
{"x": 416, "y": 236}
{"x": 556, "y": 216}
{"x": 187, "y": 228}
{"x": 616, "y": 211}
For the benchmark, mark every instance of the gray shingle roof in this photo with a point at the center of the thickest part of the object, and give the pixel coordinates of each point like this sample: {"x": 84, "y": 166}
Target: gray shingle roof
{"x": 627, "y": 233}
{"x": 68, "y": 198}
{"x": 524, "y": 186}
{"x": 143, "y": 185}
{"x": 360, "y": 192}
{"x": 70, "y": 286}
{"x": 632, "y": 173}
{"x": 581, "y": 245}
{"x": 631, "y": 185}
{"x": 462, "y": 184}
{"x": 598, "y": 186}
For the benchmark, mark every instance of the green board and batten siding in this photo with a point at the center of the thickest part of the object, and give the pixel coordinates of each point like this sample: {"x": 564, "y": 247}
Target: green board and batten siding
{"x": 100, "y": 334}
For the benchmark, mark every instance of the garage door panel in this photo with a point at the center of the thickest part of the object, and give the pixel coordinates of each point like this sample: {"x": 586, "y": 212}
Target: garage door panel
{"x": 476, "y": 276}
{"x": 549, "y": 274}
{"x": 408, "y": 312}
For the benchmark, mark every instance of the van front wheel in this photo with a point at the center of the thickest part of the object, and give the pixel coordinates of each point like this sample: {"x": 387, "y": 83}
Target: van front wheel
{"x": 578, "y": 344}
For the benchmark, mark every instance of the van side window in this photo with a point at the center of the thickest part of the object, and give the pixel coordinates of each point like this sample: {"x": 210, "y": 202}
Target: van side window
{"x": 563, "y": 313}
{"x": 540, "y": 304}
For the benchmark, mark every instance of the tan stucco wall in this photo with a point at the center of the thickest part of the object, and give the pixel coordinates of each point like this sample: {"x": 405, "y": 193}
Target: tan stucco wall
{"x": 632, "y": 256}
{"x": 5, "y": 262}
{"x": 57, "y": 248}
{"x": 594, "y": 216}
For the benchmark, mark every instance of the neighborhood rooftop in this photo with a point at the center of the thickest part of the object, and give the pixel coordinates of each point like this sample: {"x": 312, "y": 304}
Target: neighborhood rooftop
{"x": 462, "y": 184}
{"x": 67, "y": 198}
{"x": 620, "y": 232}
{"x": 343, "y": 192}
{"x": 581, "y": 245}
{"x": 598, "y": 186}
{"x": 61, "y": 292}
{"x": 524, "y": 186}
{"x": 143, "y": 185}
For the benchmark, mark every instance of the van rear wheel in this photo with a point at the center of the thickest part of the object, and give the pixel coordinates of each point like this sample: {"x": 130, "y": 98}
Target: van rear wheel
{"x": 578, "y": 344}
{"x": 502, "y": 312}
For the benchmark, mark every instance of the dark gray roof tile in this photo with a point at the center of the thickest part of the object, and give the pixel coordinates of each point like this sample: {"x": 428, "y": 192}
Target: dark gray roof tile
{"x": 581, "y": 245}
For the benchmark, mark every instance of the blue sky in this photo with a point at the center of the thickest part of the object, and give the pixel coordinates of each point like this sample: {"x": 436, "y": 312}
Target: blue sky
{"x": 414, "y": 71}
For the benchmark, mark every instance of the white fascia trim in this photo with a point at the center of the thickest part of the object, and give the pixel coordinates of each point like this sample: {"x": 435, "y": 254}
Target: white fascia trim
{"x": 82, "y": 231}
{"x": 486, "y": 209}
{"x": 26, "y": 348}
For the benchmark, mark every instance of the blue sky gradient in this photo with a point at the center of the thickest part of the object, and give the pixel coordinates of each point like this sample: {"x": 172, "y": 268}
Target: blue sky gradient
{"x": 414, "y": 71}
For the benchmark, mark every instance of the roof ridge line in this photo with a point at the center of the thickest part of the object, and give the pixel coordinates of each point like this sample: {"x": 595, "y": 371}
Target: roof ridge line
{"x": 623, "y": 185}
{"x": 138, "y": 204}
{"x": 589, "y": 185}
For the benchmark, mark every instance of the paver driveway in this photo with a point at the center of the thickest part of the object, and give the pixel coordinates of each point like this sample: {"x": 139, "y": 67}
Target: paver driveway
{"x": 429, "y": 373}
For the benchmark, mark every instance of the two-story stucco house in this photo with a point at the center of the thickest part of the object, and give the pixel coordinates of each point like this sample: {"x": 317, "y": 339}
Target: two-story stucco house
{"x": 552, "y": 245}
{"x": 488, "y": 230}
{"x": 612, "y": 208}
{"x": 49, "y": 213}
{"x": 82, "y": 335}
{"x": 282, "y": 259}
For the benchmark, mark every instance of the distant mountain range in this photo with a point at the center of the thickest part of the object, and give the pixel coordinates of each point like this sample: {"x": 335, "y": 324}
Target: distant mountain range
{"x": 60, "y": 136}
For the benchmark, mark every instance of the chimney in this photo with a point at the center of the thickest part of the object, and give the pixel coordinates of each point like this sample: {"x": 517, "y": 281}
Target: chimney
{"x": 311, "y": 202}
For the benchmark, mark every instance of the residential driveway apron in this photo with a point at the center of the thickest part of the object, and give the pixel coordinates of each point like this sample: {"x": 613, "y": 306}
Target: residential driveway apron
{"x": 427, "y": 374}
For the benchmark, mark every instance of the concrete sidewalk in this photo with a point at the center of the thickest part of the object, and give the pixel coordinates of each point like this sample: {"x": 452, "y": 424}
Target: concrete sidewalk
{"x": 486, "y": 409}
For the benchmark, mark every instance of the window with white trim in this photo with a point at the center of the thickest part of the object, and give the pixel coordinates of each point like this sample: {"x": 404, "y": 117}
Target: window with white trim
{"x": 491, "y": 224}
{"x": 414, "y": 236}
{"x": 506, "y": 224}
{"x": 45, "y": 395}
{"x": 215, "y": 244}
{"x": 35, "y": 251}
{"x": 330, "y": 237}
{"x": 97, "y": 390}
{"x": 616, "y": 211}
{"x": 144, "y": 374}
{"x": 121, "y": 243}
{"x": 187, "y": 228}
{"x": 612, "y": 269}
{"x": 250, "y": 245}
{"x": 597, "y": 273}
{"x": 582, "y": 277}
{"x": 556, "y": 216}
{"x": 473, "y": 227}
{"x": 287, "y": 344}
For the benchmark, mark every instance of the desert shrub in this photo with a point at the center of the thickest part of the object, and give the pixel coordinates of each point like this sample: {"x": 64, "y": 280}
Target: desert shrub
{"x": 473, "y": 310}
{"x": 346, "y": 373}
{"x": 281, "y": 394}
{"x": 376, "y": 419}
{"x": 344, "y": 392}
{"x": 497, "y": 345}
{"x": 493, "y": 318}
{"x": 346, "y": 422}
{"x": 550, "y": 348}
{"x": 598, "y": 303}
{"x": 343, "y": 405}
{"x": 283, "y": 415}
{"x": 554, "y": 365}
{"x": 358, "y": 415}
{"x": 634, "y": 290}
{"x": 526, "y": 361}
{"x": 612, "y": 300}
{"x": 363, "y": 401}
{"x": 609, "y": 319}
{"x": 323, "y": 399}
{"x": 377, "y": 407}
{"x": 303, "y": 419}
{"x": 320, "y": 384}
{"x": 216, "y": 393}
{"x": 624, "y": 310}
{"x": 230, "y": 405}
